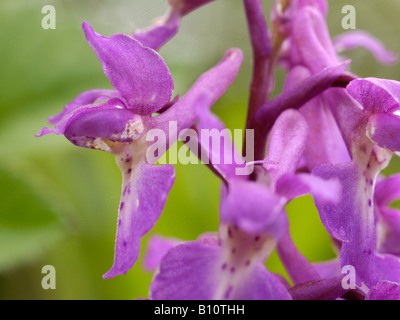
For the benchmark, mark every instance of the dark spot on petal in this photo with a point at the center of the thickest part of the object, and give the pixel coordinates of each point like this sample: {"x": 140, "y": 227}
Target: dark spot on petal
{"x": 233, "y": 250}
{"x": 129, "y": 171}
{"x": 230, "y": 233}
{"x": 224, "y": 266}
{"x": 119, "y": 222}
{"x": 121, "y": 206}
{"x": 228, "y": 292}
{"x": 256, "y": 238}
{"x": 233, "y": 269}
{"x": 247, "y": 263}
{"x": 369, "y": 202}
{"x": 124, "y": 243}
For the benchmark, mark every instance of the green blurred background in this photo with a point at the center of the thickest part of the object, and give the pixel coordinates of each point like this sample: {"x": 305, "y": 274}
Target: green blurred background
{"x": 58, "y": 202}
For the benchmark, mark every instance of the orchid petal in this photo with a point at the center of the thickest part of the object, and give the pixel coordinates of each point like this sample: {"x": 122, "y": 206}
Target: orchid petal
{"x": 388, "y": 267}
{"x": 376, "y": 95}
{"x": 254, "y": 208}
{"x": 87, "y": 126}
{"x": 160, "y": 32}
{"x": 83, "y": 99}
{"x": 328, "y": 269}
{"x": 283, "y": 13}
{"x": 194, "y": 271}
{"x": 222, "y": 153}
{"x": 157, "y": 247}
{"x": 357, "y": 38}
{"x": 384, "y": 130}
{"x": 389, "y": 231}
{"x": 324, "y": 289}
{"x": 296, "y": 185}
{"x": 164, "y": 28}
{"x": 351, "y": 220}
{"x": 261, "y": 285}
{"x": 144, "y": 192}
{"x": 286, "y": 144}
{"x": 187, "y": 6}
{"x": 384, "y": 290}
{"x": 138, "y": 73}
{"x": 348, "y": 115}
{"x": 298, "y": 267}
{"x": 186, "y": 273}
{"x": 309, "y": 27}
{"x": 387, "y": 190}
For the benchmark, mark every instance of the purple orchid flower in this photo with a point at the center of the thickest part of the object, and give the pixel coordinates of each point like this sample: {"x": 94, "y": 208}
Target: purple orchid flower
{"x": 352, "y": 221}
{"x": 388, "y": 224}
{"x": 252, "y": 221}
{"x": 120, "y": 125}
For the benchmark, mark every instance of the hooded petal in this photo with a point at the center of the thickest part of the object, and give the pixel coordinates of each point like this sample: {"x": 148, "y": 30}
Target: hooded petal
{"x": 85, "y": 98}
{"x": 357, "y": 38}
{"x": 376, "y": 95}
{"x": 89, "y": 125}
{"x": 144, "y": 192}
{"x": 138, "y": 73}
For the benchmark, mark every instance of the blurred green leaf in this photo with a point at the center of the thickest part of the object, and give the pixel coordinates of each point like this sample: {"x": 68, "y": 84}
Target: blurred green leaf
{"x": 28, "y": 224}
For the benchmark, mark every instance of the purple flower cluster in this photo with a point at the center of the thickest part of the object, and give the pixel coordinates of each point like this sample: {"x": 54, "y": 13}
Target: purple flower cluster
{"x": 328, "y": 134}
